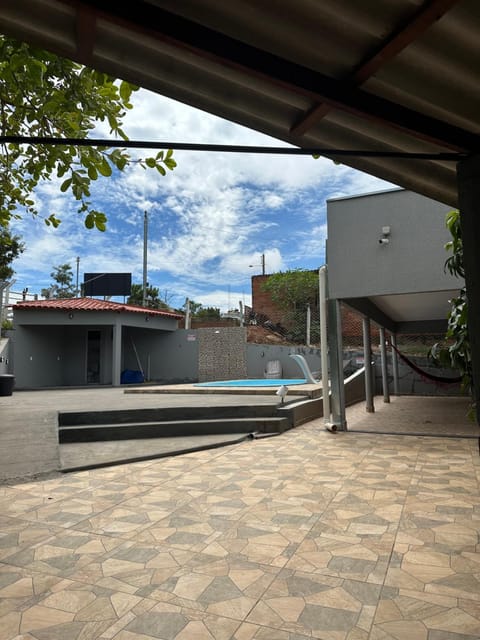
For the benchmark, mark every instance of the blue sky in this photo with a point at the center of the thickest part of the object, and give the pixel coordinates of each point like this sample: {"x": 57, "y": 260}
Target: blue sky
{"x": 209, "y": 219}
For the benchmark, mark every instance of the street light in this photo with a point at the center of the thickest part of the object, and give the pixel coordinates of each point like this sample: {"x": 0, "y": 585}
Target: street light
{"x": 262, "y": 265}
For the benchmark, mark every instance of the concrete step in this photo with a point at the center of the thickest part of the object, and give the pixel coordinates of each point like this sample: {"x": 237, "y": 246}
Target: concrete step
{"x": 72, "y": 418}
{"x": 98, "y": 432}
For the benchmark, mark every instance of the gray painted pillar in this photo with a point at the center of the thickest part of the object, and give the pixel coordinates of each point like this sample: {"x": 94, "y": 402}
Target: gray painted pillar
{"x": 383, "y": 353}
{"x": 335, "y": 348}
{"x": 396, "y": 378}
{"x": 367, "y": 354}
{"x": 468, "y": 176}
{"x": 116, "y": 354}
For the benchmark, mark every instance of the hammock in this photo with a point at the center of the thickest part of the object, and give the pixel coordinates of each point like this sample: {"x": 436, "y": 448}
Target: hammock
{"x": 425, "y": 374}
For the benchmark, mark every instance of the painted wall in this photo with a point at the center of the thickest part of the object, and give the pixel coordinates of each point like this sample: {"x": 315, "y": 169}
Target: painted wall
{"x": 5, "y": 355}
{"x": 259, "y": 354}
{"x": 38, "y": 356}
{"x": 411, "y": 383}
{"x": 412, "y": 261}
{"x": 164, "y": 357}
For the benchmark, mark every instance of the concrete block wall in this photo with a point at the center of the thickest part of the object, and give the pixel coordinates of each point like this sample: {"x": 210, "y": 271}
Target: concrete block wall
{"x": 222, "y": 353}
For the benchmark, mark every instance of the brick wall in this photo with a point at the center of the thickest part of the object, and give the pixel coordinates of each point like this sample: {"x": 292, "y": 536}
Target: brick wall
{"x": 262, "y": 301}
{"x": 351, "y": 321}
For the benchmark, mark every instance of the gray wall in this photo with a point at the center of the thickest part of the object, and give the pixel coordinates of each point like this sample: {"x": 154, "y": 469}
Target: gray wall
{"x": 166, "y": 357}
{"x": 259, "y": 354}
{"x": 5, "y": 355}
{"x": 412, "y": 262}
{"x": 411, "y": 383}
{"x": 38, "y": 356}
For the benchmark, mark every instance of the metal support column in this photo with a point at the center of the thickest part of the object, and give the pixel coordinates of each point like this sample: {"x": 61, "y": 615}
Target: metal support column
{"x": 396, "y": 378}
{"x": 336, "y": 365}
{"x": 383, "y": 354}
{"x": 367, "y": 352}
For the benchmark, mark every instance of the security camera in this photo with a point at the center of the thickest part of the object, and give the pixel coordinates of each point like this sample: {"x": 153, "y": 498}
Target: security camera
{"x": 384, "y": 241}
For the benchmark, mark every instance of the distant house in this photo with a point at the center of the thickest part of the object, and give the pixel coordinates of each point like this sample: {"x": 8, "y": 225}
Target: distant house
{"x": 82, "y": 341}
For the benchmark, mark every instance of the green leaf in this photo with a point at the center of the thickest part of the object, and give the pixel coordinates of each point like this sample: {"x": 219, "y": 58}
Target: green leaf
{"x": 92, "y": 173}
{"x": 104, "y": 168}
{"x": 52, "y": 220}
{"x": 65, "y": 185}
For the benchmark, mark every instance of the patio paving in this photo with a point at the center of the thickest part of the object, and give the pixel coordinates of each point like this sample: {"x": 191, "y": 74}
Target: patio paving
{"x": 348, "y": 536}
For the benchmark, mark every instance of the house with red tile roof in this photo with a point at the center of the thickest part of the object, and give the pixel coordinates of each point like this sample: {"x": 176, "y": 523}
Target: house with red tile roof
{"x": 81, "y": 341}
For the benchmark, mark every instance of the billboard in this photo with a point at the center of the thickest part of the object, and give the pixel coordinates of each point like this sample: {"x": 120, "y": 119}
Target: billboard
{"x": 107, "y": 284}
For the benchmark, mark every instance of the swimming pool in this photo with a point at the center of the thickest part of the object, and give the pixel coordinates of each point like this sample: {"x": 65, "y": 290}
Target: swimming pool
{"x": 258, "y": 382}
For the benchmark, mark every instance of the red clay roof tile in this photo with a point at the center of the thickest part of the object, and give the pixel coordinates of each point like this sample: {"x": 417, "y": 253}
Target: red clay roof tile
{"x": 91, "y": 304}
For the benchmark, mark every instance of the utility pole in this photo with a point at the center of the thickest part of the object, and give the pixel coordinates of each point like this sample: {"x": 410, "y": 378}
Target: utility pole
{"x": 76, "y": 285}
{"x": 263, "y": 264}
{"x": 145, "y": 239}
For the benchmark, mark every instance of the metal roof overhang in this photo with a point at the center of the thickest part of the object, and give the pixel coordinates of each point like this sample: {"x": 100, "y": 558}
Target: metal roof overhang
{"x": 388, "y": 77}
{"x": 339, "y": 74}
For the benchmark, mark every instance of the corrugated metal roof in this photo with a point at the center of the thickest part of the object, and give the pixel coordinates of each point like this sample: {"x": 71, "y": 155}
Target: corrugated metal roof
{"x": 372, "y": 75}
{"x": 90, "y": 304}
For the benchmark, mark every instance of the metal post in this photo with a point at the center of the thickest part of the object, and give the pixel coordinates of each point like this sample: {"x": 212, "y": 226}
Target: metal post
{"x": 263, "y": 264}
{"x": 322, "y": 281}
{"x": 76, "y": 285}
{"x": 187, "y": 314}
{"x": 309, "y": 321}
{"x": 383, "y": 354}
{"x": 336, "y": 366}
{"x": 396, "y": 385}
{"x": 145, "y": 240}
{"x": 367, "y": 353}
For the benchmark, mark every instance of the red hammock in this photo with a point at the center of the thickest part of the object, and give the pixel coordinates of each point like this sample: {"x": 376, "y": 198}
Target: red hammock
{"x": 425, "y": 374}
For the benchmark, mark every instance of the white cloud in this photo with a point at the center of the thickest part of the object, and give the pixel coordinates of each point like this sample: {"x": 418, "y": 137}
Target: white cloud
{"x": 208, "y": 220}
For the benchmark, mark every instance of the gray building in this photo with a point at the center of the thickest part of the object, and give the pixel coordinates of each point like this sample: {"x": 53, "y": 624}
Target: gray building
{"x": 79, "y": 341}
{"x": 386, "y": 256}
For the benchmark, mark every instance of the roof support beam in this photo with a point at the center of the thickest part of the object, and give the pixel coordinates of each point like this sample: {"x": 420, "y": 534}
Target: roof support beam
{"x": 228, "y": 52}
{"x": 404, "y": 35}
{"x": 85, "y": 35}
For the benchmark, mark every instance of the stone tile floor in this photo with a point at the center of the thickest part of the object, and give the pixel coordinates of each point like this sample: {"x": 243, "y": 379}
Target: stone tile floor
{"x": 307, "y": 535}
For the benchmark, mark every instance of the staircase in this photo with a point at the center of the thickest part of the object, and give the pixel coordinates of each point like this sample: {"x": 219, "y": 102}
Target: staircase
{"x": 90, "y": 439}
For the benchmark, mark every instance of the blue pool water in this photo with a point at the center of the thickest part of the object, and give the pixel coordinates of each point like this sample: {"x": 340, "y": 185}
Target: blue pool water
{"x": 260, "y": 382}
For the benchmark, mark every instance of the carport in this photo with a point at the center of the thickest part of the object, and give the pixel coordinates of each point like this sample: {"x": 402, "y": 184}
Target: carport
{"x": 387, "y": 88}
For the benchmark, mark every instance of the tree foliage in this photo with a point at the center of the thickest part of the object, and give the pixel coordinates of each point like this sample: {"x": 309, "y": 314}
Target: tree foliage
{"x": 199, "y": 312}
{"x": 152, "y": 297}
{"x": 10, "y": 248}
{"x": 44, "y": 95}
{"x": 207, "y": 313}
{"x": 455, "y": 351}
{"x": 293, "y": 289}
{"x": 62, "y": 286}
